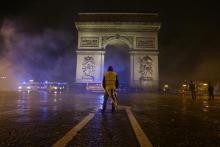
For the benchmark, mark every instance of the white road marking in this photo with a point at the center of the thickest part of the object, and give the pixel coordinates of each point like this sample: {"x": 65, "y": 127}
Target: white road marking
{"x": 141, "y": 137}
{"x": 73, "y": 132}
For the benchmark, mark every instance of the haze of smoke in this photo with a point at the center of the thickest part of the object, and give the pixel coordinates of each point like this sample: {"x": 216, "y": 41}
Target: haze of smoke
{"x": 38, "y": 56}
{"x": 208, "y": 70}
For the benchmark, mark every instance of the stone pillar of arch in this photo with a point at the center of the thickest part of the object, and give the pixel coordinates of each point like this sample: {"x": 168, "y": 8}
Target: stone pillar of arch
{"x": 139, "y": 31}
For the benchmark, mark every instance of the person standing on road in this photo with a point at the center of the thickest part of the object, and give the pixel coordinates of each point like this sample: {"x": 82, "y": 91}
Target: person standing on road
{"x": 192, "y": 88}
{"x": 110, "y": 84}
{"x": 211, "y": 91}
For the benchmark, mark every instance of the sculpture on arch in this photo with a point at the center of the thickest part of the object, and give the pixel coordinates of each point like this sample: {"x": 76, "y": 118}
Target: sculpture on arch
{"x": 88, "y": 67}
{"x": 145, "y": 68}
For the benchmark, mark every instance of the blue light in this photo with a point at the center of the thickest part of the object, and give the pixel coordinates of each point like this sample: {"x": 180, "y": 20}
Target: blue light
{"x": 100, "y": 101}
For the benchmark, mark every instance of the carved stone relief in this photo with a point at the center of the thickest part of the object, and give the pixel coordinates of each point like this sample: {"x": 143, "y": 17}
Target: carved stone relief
{"x": 146, "y": 68}
{"x": 145, "y": 42}
{"x": 89, "y": 41}
{"x": 88, "y": 68}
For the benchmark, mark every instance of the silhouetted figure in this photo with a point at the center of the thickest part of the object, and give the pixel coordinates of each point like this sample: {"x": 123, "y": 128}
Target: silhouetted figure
{"x": 192, "y": 88}
{"x": 110, "y": 84}
{"x": 211, "y": 91}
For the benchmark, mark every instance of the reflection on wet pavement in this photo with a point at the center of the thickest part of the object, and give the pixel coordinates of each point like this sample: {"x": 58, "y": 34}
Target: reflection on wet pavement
{"x": 178, "y": 121}
{"x": 41, "y": 118}
{"x": 106, "y": 130}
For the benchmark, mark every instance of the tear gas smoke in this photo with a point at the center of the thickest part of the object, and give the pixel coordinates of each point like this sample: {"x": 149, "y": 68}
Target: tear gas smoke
{"x": 39, "y": 56}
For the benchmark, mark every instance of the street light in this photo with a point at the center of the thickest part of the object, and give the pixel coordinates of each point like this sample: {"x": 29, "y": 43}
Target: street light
{"x": 184, "y": 85}
{"x": 205, "y": 84}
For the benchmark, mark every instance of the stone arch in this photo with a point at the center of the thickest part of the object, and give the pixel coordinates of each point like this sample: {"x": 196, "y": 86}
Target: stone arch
{"x": 117, "y": 54}
{"x": 139, "y": 31}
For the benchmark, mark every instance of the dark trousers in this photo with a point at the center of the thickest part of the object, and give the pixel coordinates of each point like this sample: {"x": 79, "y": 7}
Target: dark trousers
{"x": 193, "y": 95}
{"x": 211, "y": 96}
{"x": 106, "y": 96}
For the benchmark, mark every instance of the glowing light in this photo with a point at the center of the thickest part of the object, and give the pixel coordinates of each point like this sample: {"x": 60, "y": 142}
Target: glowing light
{"x": 100, "y": 101}
{"x": 19, "y": 87}
{"x": 166, "y": 86}
{"x": 204, "y": 84}
{"x": 184, "y": 85}
{"x": 28, "y": 87}
{"x": 3, "y": 77}
{"x": 31, "y": 80}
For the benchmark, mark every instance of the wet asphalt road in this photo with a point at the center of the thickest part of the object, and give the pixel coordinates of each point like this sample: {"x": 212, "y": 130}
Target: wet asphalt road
{"x": 40, "y": 119}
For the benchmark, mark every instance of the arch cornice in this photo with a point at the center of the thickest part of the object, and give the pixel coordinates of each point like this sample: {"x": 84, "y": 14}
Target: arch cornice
{"x": 120, "y": 26}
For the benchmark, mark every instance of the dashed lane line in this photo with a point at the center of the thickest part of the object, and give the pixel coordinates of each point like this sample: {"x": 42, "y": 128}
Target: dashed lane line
{"x": 141, "y": 137}
{"x": 73, "y": 132}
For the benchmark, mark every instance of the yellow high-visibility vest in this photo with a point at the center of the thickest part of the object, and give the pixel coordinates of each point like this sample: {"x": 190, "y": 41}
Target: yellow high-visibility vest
{"x": 110, "y": 79}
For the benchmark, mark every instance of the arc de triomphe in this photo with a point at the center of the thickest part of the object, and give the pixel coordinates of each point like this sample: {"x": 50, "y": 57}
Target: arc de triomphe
{"x": 139, "y": 31}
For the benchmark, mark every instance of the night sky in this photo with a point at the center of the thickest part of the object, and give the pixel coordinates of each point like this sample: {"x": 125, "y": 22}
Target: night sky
{"x": 38, "y": 38}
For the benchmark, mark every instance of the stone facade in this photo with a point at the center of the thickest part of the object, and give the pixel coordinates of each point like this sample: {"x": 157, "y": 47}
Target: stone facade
{"x": 140, "y": 36}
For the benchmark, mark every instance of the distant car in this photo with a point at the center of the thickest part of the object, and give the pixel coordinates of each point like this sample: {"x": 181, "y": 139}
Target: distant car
{"x": 27, "y": 86}
{"x": 36, "y": 86}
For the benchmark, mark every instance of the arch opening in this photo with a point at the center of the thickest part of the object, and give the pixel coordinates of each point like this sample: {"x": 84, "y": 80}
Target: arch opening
{"x": 117, "y": 55}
